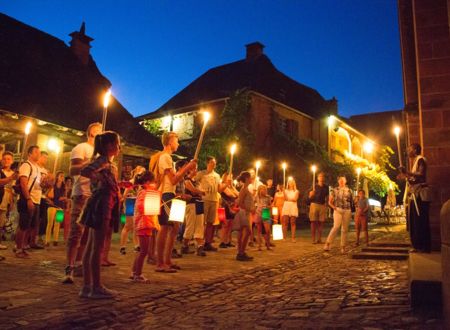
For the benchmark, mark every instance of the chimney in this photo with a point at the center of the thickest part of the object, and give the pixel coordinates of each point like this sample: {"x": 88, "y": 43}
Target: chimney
{"x": 80, "y": 44}
{"x": 254, "y": 50}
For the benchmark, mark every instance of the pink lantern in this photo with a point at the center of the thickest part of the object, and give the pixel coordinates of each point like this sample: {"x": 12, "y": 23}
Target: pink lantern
{"x": 152, "y": 202}
{"x": 222, "y": 214}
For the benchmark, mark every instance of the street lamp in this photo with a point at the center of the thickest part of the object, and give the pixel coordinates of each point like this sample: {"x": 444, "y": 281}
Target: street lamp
{"x": 368, "y": 147}
{"x": 106, "y": 99}
{"x": 397, "y": 136}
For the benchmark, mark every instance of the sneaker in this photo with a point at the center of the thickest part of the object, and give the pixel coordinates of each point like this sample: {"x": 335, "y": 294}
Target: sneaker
{"x": 101, "y": 293}
{"x": 185, "y": 250}
{"x": 209, "y": 247}
{"x": 123, "y": 251}
{"x": 137, "y": 249}
{"x": 84, "y": 292}
{"x": 78, "y": 271}
{"x": 243, "y": 257}
{"x": 223, "y": 245}
{"x": 68, "y": 279}
{"x": 3, "y": 247}
{"x": 201, "y": 252}
{"x": 175, "y": 254}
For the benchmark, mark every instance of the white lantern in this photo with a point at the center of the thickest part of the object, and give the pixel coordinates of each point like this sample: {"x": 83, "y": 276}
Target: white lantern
{"x": 277, "y": 232}
{"x": 152, "y": 202}
{"x": 274, "y": 211}
{"x": 177, "y": 210}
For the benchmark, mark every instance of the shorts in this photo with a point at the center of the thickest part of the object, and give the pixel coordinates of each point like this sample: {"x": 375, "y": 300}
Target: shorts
{"x": 360, "y": 219}
{"x": 76, "y": 229}
{"x": 164, "y": 216}
{"x": 27, "y": 220}
{"x": 241, "y": 220}
{"x": 317, "y": 212}
{"x": 290, "y": 209}
{"x": 144, "y": 232}
{"x": 210, "y": 211}
{"x": 194, "y": 223}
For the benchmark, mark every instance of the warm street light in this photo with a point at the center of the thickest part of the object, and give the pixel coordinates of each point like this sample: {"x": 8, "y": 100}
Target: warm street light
{"x": 397, "y": 130}
{"x": 106, "y": 99}
{"x": 206, "y": 117}
{"x": 331, "y": 121}
{"x": 368, "y": 147}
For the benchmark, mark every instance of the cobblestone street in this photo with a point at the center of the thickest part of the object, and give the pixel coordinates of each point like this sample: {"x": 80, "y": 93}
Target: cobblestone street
{"x": 295, "y": 286}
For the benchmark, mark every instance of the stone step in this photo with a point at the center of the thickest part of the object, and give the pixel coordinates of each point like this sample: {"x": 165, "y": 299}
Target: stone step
{"x": 385, "y": 249}
{"x": 380, "y": 256}
{"x": 390, "y": 244}
{"x": 425, "y": 279}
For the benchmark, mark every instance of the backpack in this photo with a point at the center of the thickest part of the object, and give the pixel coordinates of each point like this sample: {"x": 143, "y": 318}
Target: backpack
{"x": 17, "y": 188}
{"x": 154, "y": 168}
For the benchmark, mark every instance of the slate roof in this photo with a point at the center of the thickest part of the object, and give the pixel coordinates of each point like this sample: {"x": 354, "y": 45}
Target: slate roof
{"x": 40, "y": 77}
{"x": 259, "y": 75}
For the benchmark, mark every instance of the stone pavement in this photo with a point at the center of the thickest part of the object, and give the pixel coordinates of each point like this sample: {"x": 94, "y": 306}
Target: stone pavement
{"x": 296, "y": 285}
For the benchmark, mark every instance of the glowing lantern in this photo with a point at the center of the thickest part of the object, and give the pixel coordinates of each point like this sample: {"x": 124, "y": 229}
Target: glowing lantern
{"x": 59, "y": 217}
{"x": 129, "y": 206}
{"x": 177, "y": 210}
{"x": 152, "y": 202}
{"x": 222, "y": 214}
{"x": 123, "y": 218}
{"x": 277, "y": 232}
{"x": 265, "y": 214}
{"x": 274, "y": 211}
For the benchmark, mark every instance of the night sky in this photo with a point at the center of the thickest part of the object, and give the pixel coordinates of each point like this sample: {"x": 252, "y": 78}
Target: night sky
{"x": 150, "y": 50}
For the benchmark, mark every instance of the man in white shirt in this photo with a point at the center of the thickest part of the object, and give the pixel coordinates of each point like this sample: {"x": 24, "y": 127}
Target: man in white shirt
{"x": 169, "y": 179}
{"x": 7, "y": 178}
{"x": 209, "y": 182}
{"x": 81, "y": 155}
{"x": 29, "y": 200}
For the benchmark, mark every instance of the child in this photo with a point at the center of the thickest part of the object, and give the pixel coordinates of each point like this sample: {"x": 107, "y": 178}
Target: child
{"x": 144, "y": 224}
{"x": 242, "y": 221}
{"x": 362, "y": 210}
{"x": 263, "y": 201}
{"x": 101, "y": 210}
{"x": 57, "y": 198}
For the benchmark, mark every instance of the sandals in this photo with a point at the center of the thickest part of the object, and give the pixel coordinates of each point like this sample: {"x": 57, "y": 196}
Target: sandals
{"x": 141, "y": 279}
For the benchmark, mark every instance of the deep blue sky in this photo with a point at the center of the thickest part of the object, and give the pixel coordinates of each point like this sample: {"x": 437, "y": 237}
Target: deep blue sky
{"x": 150, "y": 50}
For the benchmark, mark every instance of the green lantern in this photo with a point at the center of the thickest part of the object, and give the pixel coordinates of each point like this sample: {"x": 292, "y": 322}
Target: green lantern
{"x": 59, "y": 217}
{"x": 265, "y": 214}
{"x": 123, "y": 218}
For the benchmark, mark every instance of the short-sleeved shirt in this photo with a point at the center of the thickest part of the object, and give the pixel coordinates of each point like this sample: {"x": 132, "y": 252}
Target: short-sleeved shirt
{"x": 81, "y": 184}
{"x": 165, "y": 162}
{"x": 362, "y": 204}
{"x": 320, "y": 197}
{"x": 342, "y": 197}
{"x": 36, "y": 191}
{"x": 6, "y": 192}
{"x": 209, "y": 183}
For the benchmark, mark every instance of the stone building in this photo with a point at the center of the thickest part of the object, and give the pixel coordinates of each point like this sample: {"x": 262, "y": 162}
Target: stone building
{"x": 59, "y": 89}
{"x": 276, "y": 100}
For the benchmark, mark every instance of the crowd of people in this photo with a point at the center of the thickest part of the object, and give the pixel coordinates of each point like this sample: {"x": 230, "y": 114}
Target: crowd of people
{"x": 92, "y": 200}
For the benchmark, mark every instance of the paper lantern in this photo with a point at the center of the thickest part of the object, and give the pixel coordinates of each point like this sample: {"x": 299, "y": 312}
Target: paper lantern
{"x": 177, "y": 210}
{"x": 277, "y": 232}
{"x": 129, "y": 206}
{"x": 265, "y": 214}
{"x": 59, "y": 217}
{"x": 274, "y": 211}
{"x": 123, "y": 218}
{"x": 152, "y": 202}
{"x": 222, "y": 214}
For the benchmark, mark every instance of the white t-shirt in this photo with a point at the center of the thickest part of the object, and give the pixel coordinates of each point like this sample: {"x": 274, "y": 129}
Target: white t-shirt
{"x": 209, "y": 183}
{"x": 36, "y": 191}
{"x": 165, "y": 162}
{"x": 81, "y": 184}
